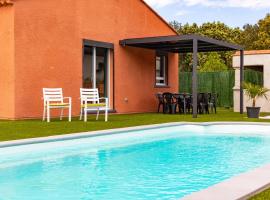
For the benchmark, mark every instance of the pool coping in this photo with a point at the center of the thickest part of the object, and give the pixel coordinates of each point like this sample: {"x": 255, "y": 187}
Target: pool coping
{"x": 240, "y": 186}
{"x": 88, "y": 134}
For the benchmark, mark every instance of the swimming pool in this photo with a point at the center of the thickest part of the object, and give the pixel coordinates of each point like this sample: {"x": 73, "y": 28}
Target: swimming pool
{"x": 163, "y": 163}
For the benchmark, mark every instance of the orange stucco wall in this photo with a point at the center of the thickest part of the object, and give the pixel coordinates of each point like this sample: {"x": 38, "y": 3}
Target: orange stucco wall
{"x": 7, "y": 70}
{"x": 48, "y": 51}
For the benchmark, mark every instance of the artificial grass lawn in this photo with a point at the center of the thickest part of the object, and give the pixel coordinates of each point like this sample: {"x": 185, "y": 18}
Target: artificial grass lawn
{"x": 12, "y": 130}
{"x": 265, "y": 195}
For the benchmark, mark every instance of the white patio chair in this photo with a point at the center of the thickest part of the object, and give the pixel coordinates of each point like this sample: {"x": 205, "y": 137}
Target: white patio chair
{"x": 53, "y": 99}
{"x": 90, "y": 101}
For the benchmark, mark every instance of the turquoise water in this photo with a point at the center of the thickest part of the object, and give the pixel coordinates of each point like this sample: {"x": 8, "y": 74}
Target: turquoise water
{"x": 156, "y": 164}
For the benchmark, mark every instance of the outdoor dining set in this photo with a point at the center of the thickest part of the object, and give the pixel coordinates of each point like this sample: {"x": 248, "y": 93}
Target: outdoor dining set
{"x": 172, "y": 103}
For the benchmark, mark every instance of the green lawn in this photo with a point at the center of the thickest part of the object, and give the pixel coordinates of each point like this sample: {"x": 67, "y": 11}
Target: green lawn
{"x": 265, "y": 195}
{"x": 12, "y": 130}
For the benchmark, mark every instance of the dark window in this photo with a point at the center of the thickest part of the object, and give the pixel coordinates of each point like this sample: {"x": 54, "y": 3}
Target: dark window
{"x": 161, "y": 69}
{"x": 95, "y": 68}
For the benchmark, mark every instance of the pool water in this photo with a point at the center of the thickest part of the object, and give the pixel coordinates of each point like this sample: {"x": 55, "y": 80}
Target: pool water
{"x": 156, "y": 164}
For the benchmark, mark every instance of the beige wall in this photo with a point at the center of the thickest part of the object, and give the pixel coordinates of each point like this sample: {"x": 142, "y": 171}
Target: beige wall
{"x": 251, "y": 60}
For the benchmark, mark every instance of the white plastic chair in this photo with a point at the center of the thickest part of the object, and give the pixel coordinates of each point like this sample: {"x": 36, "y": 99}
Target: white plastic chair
{"x": 90, "y": 101}
{"x": 53, "y": 99}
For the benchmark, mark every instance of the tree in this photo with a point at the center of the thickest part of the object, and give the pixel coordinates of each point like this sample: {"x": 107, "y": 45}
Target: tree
{"x": 263, "y": 41}
{"x": 216, "y": 30}
{"x": 176, "y": 25}
{"x": 249, "y": 35}
{"x": 255, "y": 36}
{"x": 213, "y": 63}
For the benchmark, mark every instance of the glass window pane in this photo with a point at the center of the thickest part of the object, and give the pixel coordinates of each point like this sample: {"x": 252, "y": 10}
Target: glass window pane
{"x": 101, "y": 69}
{"x": 161, "y": 70}
{"x": 87, "y": 67}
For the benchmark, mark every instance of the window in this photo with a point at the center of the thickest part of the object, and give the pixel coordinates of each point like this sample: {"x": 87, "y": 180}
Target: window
{"x": 95, "y": 69}
{"x": 161, "y": 69}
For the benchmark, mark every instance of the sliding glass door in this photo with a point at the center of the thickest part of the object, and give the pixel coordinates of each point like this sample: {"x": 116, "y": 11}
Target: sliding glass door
{"x": 101, "y": 70}
{"x": 96, "y": 69}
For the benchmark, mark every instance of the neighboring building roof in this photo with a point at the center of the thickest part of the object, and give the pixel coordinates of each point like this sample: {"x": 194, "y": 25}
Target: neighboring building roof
{"x": 253, "y": 52}
{"x": 5, "y": 2}
{"x": 161, "y": 18}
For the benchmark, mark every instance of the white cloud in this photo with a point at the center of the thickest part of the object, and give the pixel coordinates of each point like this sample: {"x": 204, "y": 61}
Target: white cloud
{"x": 213, "y": 3}
{"x": 182, "y": 13}
{"x": 161, "y": 3}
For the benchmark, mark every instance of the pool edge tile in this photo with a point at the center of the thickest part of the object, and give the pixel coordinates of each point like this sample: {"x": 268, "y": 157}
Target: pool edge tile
{"x": 239, "y": 187}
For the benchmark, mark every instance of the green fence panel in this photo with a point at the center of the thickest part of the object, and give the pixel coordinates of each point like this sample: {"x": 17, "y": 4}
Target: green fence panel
{"x": 221, "y": 83}
{"x": 254, "y": 77}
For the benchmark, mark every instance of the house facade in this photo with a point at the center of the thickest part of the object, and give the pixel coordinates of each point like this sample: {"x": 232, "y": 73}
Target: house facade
{"x": 258, "y": 60}
{"x": 72, "y": 44}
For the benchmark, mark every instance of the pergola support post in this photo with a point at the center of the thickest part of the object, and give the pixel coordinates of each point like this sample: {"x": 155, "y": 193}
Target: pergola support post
{"x": 194, "y": 78}
{"x": 241, "y": 81}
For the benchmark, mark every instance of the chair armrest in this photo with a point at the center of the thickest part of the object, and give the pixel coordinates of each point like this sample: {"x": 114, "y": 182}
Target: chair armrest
{"x": 106, "y": 100}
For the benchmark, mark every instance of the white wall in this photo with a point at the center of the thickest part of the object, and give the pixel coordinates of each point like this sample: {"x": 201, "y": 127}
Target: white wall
{"x": 251, "y": 60}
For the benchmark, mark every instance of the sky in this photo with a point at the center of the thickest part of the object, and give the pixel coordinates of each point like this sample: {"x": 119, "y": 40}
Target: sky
{"x": 234, "y": 13}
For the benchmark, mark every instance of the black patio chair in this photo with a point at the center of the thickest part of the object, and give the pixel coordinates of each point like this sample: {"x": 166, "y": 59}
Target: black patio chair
{"x": 169, "y": 103}
{"x": 180, "y": 102}
{"x": 160, "y": 102}
{"x": 203, "y": 103}
{"x": 188, "y": 101}
{"x": 213, "y": 102}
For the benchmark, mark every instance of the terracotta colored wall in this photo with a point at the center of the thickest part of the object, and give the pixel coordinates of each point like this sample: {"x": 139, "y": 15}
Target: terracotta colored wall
{"x": 48, "y": 46}
{"x": 7, "y": 73}
{"x": 137, "y": 80}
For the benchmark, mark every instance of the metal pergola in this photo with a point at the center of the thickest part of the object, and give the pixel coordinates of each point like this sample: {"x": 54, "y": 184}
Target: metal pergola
{"x": 190, "y": 44}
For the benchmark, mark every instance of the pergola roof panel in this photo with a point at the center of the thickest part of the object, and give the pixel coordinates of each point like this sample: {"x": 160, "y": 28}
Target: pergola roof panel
{"x": 180, "y": 43}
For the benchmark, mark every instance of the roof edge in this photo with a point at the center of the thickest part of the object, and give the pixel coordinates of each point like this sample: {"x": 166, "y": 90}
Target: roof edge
{"x": 254, "y": 52}
{"x": 170, "y": 38}
{"x": 158, "y": 15}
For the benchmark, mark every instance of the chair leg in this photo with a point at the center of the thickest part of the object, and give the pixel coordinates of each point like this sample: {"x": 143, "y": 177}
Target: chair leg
{"x": 207, "y": 109}
{"x": 97, "y": 114}
{"x": 44, "y": 113}
{"x": 48, "y": 113}
{"x": 81, "y": 113}
{"x": 69, "y": 113}
{"x": 85, "y": 115}
{"x": 163, "y": 108}
{"x": 106, "y": 115}
{"x": 211, "y": 107}
{"x": 61, "y": 114}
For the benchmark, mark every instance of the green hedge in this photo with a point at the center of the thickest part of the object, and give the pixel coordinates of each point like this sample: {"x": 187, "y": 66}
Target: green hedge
{"x": 221, "y": 83}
